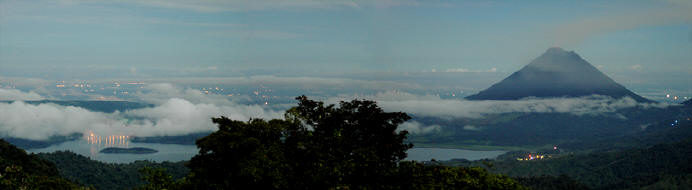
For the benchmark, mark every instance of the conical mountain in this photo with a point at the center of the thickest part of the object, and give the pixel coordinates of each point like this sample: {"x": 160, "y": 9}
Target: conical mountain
{"x": 556, "y": 73}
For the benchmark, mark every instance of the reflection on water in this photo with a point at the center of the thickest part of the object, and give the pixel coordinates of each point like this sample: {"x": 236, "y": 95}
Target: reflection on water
{"x": 98, "y": 142}
{"x": 167, "y": 152}
{"x": 107, "y": 141}
{"x": 425, "y": 154}
{"x": 92, "y": 144}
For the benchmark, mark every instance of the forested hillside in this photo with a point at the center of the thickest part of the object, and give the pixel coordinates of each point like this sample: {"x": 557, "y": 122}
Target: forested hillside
{"x": 83, "y": 170}
{"x": 664, "y": 166}
{"x": 19, "y": 170}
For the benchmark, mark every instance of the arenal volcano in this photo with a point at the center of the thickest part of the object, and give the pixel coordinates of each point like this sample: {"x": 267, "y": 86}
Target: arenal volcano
{"x": 556, "y": 73}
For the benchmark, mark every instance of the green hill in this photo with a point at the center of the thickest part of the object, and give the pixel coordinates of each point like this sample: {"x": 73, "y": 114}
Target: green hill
{"x": 19, "y": 170}
{"x": 662, "y": 166}
{"x": 101, "y": 175}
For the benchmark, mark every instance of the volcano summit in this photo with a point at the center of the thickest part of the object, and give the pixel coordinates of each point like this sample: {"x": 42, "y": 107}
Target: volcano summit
{"x": 556, "y": 73}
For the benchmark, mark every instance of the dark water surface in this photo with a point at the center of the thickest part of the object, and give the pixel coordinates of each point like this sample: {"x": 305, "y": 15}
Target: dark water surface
{"x": 174, "y": 152}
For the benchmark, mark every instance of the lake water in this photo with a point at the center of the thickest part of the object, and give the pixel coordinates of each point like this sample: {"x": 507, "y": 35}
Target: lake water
{"x": 167, "y": 152}
{"x": 173, "y": 152}
{"x": 426, "y": 154}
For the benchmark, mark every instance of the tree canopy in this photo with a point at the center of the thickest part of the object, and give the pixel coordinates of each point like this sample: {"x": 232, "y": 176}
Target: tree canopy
{"x": 316, "y": 146}
{"x": 19, "y": 170}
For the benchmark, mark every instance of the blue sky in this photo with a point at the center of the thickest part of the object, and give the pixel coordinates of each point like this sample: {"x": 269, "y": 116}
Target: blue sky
{"x": 130, "y": 38}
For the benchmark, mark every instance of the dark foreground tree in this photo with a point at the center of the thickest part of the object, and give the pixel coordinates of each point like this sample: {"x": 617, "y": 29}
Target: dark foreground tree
{"x": 353, "y": 146}
{"x": 241, "y": 155}
{"x": 19, "y": 170}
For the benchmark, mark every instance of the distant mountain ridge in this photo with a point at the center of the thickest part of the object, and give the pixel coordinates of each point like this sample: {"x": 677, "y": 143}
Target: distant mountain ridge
{"x": 556, "y": 73}
{"x": 91, "y": 105}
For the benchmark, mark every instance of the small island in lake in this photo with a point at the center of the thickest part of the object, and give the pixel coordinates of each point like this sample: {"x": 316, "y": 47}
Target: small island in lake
{"x": 135, "y": 150}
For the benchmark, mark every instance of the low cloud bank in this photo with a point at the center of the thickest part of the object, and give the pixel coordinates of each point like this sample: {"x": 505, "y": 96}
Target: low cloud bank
{"x": 472, "y": 128}
{"x": 160, "y": 93}
{"x": 434, "y": 106}
{"x": 39, "y": 122}
{"x": 14, "y": 94}
{"x": 416, "y": 128}
{"x": 180, "y": 111}
{"x": 179, "y": 116}
{"x": 177, "y": 112}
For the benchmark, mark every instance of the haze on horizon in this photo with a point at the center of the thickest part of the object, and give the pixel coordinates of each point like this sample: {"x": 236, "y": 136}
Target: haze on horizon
{"x": 645, "y": 45}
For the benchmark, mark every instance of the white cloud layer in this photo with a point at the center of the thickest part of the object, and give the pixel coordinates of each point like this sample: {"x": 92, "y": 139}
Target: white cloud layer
{"x": 415, "y": 128}
{"x": 180, "y": 111}
{"x": 14, "y": 94}
{"x": 472, "y": 128}
{"x": 434, "y": 106}
{"x": 173, "y": 115}
{"x": 162, "y": 92}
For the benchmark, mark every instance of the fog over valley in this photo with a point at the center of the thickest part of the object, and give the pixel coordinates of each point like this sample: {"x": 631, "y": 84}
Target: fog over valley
{"x": 174, "y": 110}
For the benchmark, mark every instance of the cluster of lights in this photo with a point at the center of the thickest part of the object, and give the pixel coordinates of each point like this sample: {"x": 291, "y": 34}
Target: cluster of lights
{"x": 112, "y": 140}
{"x": 532, "y": 157}
{"x": 677, "y": 97}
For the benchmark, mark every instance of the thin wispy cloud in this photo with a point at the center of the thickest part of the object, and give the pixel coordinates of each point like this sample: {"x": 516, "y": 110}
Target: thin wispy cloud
{"x": 253, "y": 34}
{"x": 211, "y": 6}
{"x": 115, "y": 20}
{"x": 636, "y": 67}
{"x": 417, "y": 128}
{"x": 571, "y": 33}
{"x": 294, "y": 82}
{"x": 462, "y": 70}
{"x": 316, "y": 35}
